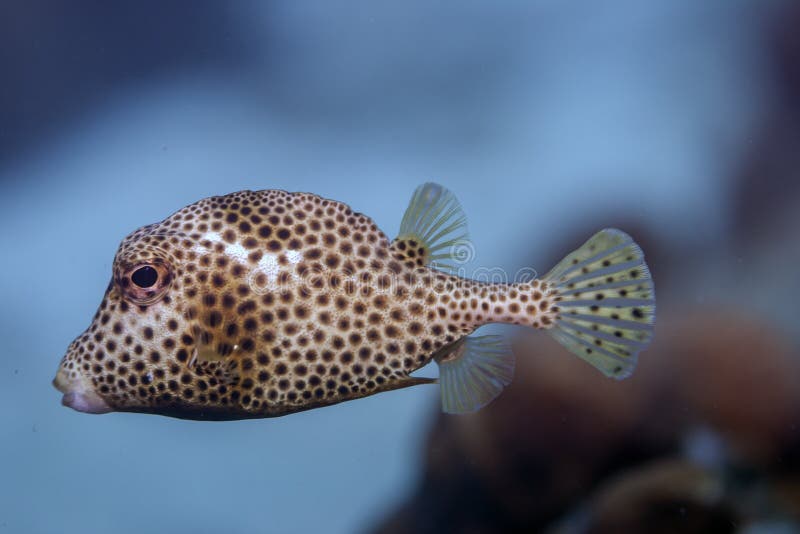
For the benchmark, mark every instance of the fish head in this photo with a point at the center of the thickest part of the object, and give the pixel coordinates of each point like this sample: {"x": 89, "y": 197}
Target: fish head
{"x": 134, "y": 355}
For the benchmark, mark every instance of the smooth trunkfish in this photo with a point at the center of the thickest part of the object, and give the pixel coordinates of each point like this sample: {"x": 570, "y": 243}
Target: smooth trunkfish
{"x": 266, "y": 303}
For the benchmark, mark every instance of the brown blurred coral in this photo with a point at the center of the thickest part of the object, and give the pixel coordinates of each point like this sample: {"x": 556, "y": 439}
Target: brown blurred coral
{"x": 663, "y": 497}
{"x": 562, "y": 431}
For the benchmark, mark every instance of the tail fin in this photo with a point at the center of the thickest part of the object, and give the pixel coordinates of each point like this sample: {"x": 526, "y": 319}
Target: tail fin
{"x": 606, "y": 302}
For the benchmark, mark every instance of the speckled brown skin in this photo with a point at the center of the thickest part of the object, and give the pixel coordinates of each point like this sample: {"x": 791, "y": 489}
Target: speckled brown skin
{"x": 269, "y": 303}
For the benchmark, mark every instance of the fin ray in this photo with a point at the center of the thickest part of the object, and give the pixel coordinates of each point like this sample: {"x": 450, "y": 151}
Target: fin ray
{"x": 607, "y": 302}
{"x": 435, "y": 220}
{"x": 474, "y": 373}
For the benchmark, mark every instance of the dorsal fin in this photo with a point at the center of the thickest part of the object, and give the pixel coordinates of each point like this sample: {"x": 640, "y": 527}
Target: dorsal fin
{"x": 433, "y": 230}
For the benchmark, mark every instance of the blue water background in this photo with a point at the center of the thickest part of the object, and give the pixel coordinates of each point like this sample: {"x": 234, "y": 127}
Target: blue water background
{"x": 541, "y": 116}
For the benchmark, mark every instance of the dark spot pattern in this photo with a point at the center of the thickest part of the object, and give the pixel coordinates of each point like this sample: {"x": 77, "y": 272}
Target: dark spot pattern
{"x": 268, "y": 302}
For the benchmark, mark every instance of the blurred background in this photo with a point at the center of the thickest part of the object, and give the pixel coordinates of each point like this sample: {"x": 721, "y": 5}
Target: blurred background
{"x": 678, "y": 121}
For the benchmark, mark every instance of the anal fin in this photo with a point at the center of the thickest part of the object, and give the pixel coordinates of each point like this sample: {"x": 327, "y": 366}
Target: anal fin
{"x": 473, "y": 372}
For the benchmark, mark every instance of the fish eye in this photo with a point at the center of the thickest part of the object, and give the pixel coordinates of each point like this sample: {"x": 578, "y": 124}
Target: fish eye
{"x": 145, "y": 283}
{"x": 145, "y": 276}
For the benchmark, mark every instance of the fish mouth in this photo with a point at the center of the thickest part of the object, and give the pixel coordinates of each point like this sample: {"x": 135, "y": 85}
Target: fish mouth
{"x": 78, "y": 396}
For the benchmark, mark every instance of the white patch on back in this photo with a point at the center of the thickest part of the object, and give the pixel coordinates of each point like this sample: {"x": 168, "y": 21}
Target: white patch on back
{"x": 294, "y": 256}
{"x": 269, "y": 266}
{"x": 213, "y": 237}
{"x": 236, "y": 252}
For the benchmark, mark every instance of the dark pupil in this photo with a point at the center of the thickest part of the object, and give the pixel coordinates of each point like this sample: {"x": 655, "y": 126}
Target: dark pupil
{"x": 144, "y": 276}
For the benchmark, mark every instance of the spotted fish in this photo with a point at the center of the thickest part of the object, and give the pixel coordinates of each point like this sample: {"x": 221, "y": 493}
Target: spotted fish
{"x": 266, "y": 303}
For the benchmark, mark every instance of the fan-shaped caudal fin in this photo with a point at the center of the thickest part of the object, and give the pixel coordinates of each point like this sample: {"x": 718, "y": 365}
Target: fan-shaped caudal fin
{"x": 606, "y": 302}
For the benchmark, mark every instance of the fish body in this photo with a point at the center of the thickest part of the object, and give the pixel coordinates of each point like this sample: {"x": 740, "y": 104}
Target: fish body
{"x": 265, "y": 303}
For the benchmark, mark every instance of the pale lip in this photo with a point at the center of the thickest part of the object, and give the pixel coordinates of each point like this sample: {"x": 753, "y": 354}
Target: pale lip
{"x": 78, "y": 395}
